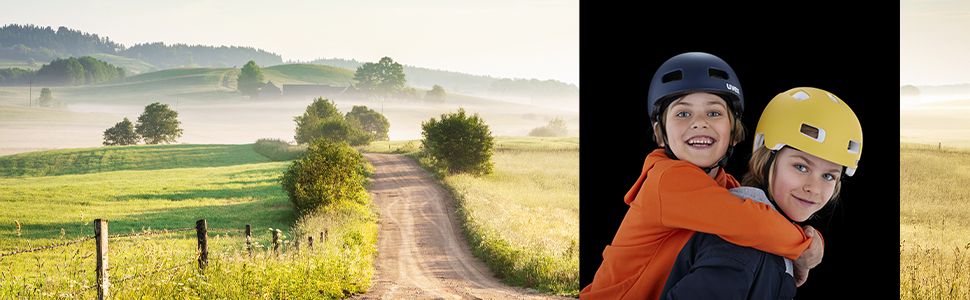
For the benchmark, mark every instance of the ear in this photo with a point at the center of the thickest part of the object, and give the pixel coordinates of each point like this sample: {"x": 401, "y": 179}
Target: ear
{"x": 656, "y": 134}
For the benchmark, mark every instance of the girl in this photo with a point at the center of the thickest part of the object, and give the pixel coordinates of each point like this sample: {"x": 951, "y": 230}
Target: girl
{"x": 806, "y": 142}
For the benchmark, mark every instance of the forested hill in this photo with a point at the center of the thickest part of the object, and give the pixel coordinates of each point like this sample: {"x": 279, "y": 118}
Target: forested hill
{"x": 44, "y": 44}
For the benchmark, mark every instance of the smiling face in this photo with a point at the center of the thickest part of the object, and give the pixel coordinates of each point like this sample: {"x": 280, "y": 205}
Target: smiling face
{"x": 698, "y": 128}
{"x": 802, "y": 183}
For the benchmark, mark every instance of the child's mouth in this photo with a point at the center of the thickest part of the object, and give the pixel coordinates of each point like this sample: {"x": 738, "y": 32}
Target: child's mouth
{"x": 700, "y": 141}
{"x": 804, "y": 202}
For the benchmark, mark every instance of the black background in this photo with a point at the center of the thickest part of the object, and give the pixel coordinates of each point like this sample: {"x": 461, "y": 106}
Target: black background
{"x": 851, "y": 52}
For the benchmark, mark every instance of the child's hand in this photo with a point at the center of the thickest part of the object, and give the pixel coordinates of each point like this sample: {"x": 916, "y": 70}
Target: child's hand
{"x": 810, "y": 258}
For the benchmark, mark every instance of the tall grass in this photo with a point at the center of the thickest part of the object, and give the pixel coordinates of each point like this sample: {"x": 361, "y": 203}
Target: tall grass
{"x": 523, "y": 219}
{"x": 934, "y": 222}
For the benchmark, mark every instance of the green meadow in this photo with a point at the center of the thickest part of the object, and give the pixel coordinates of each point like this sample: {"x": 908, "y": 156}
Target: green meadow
{"x": 151, "y": 188}
{"x": 934, "y": 222}
{"x": 51, "y": 197}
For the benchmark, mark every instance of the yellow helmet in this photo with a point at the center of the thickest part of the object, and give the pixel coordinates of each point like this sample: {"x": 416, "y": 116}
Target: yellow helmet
{"x": 814, "y": 121}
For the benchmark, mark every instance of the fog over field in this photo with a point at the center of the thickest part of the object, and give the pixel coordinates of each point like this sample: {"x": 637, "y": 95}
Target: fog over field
{"x": 939, "y": 116}
{"x": 235, "y": 119}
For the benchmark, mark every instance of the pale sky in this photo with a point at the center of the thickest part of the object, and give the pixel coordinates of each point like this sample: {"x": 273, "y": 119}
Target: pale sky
{"x": 934, "y": 42}
{"x": 501, "y": 38}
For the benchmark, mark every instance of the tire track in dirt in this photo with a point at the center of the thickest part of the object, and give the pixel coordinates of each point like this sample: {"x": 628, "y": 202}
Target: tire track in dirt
{"x": 421, "y": 252}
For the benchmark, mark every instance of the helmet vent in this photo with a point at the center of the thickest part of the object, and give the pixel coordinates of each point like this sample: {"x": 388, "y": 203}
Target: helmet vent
{"x": 800, "y": 95}
{"x": 813, "y": 132}
{"x": 672, "y": 76}
{"x": 832, "y": 97}
{"x": 854, "y": 147}
{"x": 717, "y": 74}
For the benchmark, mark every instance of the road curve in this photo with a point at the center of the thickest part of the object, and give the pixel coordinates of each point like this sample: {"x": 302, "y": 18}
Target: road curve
{"x": 421, "y": 252}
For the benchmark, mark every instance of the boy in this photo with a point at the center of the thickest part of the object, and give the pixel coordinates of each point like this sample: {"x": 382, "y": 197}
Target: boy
{"x": 695, "y": 104}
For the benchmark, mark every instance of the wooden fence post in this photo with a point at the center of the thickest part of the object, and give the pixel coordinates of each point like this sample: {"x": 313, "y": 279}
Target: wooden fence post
{"x": 203, "y": 234}
{"x": 249, "y": 239}
{"x": 276, "y": 240}
{"x": 311, "y": 242}
{"x": 101, "y": 242}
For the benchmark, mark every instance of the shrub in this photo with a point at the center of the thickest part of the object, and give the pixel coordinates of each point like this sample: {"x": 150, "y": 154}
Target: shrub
{"x": 278, "y": 150}
{"x": 458, "y": 143}
{"x": 330, "y": 172}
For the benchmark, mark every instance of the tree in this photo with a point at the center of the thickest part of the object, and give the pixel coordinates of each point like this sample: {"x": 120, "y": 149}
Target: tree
{"x": 556, "y": 128}
{"x": 382, "y": 79}
{"x": 458, "y": 143}
{"x": 45, "y": 98}
{"x": 436, "y": 94}
{"x": 369, "y": 121}
{"x": 158, "y": 124}
{"x": 331, "y": 172}
{"x": 322, "y": 120}
{"x": 250, "y": 80}
{"x": 121, "y": 134}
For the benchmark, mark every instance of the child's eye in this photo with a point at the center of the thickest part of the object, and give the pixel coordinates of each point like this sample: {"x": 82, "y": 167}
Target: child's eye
{"x": 828, "y": 176}
{"x": 683, "y": 114}
{"x": 801, "y": 168}
{"x": 714, "y": 114}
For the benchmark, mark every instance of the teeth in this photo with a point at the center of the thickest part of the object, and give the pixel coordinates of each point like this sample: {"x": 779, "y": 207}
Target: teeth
{"x": 696, "y": 141}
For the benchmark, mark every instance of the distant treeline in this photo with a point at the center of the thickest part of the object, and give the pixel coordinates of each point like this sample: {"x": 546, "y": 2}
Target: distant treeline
{"x": 22, "y": 42}
{"x": 456, "y": 82}
{"x": 45, "y": 44}
{"x": 70, "y": 71}
{"x": 181, "y": 55}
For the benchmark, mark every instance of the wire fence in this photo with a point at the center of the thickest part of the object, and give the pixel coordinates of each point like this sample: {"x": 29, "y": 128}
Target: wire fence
{"x": 101, "y": 237}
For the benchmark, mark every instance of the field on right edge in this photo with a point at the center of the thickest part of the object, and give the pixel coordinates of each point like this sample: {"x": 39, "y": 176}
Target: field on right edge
{"x": 934, "y": 222}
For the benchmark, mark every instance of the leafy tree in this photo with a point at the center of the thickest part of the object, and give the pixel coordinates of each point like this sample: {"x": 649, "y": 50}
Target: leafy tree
{"x": 250, "y": 80}
{"x": 369, "y": 121}
{"x": 458, "y": 143}
{"x": 436, "y": 94}
{"x": 322, "y": 120}
{"x": 123, "y": 133}
{"x": 331, "y": 172}
{"x": 45, "y": 97}
{"x": 158, "y": 124}
{"x": 382, "y": 79}
{"x": 557, "y": 128}
{"x": 62, "y": 72}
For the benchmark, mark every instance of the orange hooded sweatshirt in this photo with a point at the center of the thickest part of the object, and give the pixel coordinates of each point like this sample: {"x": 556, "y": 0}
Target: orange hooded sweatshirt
{"x": 670, "y": 201}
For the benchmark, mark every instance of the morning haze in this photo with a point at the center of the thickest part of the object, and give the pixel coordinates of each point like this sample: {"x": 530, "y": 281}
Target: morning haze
{"x": 514, "y": 69}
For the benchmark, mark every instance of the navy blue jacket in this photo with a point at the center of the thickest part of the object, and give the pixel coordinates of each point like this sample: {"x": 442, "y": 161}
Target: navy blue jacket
{"x": 708, "y": 267}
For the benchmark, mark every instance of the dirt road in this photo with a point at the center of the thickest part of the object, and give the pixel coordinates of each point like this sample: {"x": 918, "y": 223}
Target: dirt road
{"x": 421, "y": 252}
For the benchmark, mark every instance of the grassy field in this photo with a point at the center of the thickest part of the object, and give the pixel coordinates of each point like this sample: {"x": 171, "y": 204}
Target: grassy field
{"x": 934, "y": 222}
{"x": 523, "y": 219}
{"x": 52, "y": 196}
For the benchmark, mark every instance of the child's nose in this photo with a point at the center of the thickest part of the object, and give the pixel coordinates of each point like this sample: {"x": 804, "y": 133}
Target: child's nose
{"x": 699, "y": 123}
{"x": 812, "y": 185}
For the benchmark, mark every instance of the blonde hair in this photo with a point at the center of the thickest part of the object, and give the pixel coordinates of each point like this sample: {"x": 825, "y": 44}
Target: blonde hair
{"x": 737, "y": 128}
{"x": 756, "y": 174}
